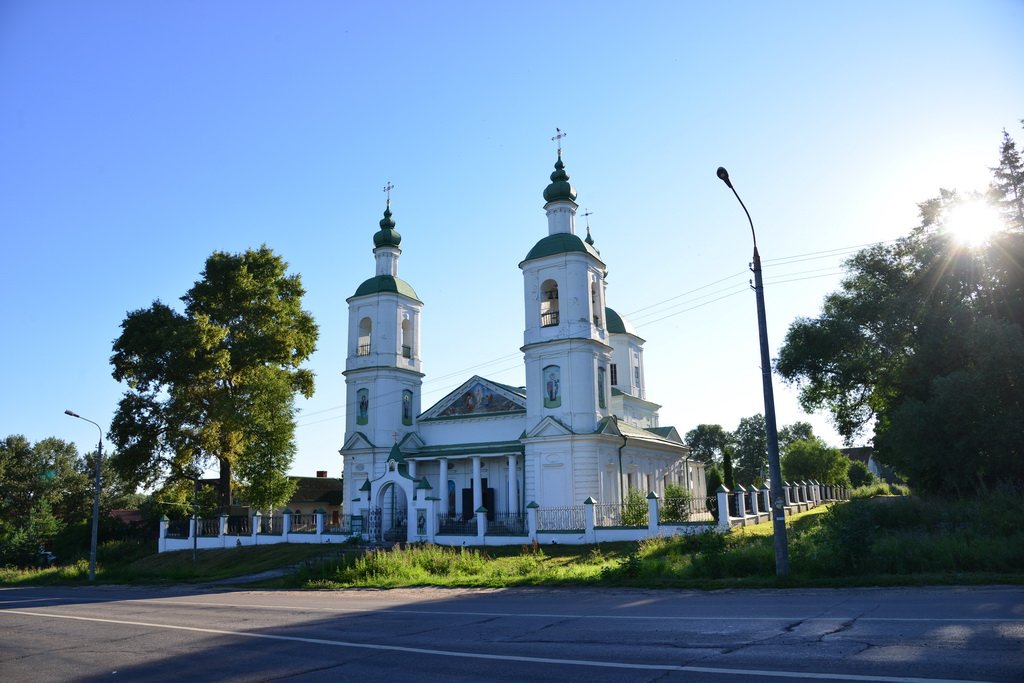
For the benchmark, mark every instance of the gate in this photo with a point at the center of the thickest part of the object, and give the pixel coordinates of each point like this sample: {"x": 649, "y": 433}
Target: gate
{"x": 373, "y": 525}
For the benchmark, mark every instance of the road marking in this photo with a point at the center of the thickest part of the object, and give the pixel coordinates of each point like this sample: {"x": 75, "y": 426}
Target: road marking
{"x": 545, "y": 615}
{"x": 507, "y": 658}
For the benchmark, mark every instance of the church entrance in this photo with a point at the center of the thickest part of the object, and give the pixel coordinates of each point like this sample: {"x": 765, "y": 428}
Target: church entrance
{"x": 390, "y": 518}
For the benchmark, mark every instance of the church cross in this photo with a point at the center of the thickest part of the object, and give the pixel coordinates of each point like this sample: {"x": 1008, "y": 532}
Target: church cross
{"x": 387, "y": 190}
{"x": 587, "y": 213}
{"x": 559, "y": 134}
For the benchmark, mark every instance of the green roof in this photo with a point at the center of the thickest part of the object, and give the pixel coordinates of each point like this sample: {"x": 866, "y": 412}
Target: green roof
{"x": 381, "y": 284}
{"x": 387, "y": 236}
{"x": 560, "y": 188}
{"x": 560, "y": 243}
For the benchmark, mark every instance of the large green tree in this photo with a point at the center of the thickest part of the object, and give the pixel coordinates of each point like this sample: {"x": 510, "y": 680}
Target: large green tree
{"x": 45, "y": 487}
{"x": 805, "y": 459}
{"x": 749, "y": 449}
{"x": 707, "y": 442}
{"x": 923, "y": 344}
{"x": 215, "y": 384}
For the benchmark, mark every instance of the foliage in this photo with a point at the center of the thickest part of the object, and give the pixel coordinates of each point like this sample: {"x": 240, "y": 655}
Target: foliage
{"x": 45, "y": 485}
{"x": 750, "y": 449}
{"x": 728, "y": 478}
{"x": 812, "y": 459}
{"x": 215, "y": 383}
{"x": 859, "y": 474}
{"x": 923, "y": 342}
{"x": 798, "y": 431}
{"x": 675, "y": 506}
{"x": 707, "y": 442}
{"x": 634, "y": 508}
{"x": 1007, "y": 191}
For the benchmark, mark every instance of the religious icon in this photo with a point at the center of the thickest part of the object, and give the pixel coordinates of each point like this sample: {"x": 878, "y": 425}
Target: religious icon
{"x": 600, "y": 388}
{"x": 552, "y": 386}
{"x": 407, "y": 407}
{"x": 362, "y": 406}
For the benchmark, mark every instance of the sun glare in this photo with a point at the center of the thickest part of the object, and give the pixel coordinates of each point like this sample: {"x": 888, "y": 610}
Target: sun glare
{"x": 972, "y": 223}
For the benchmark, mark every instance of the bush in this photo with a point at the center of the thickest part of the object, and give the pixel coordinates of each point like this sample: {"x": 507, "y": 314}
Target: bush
{"x": 860, "y": 475}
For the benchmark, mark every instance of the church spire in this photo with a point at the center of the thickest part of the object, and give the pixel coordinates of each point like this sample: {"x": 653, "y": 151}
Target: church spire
{"x": 387, "y": 236}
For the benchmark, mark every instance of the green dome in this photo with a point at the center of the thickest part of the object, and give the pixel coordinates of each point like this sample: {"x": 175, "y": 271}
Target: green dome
{"x": 559, "y": 189}
{"x": 617, "y": 324}
{"x": 560, "y": 243}
{"x": 387, "y": 236}
{"x": 382, "y": 284}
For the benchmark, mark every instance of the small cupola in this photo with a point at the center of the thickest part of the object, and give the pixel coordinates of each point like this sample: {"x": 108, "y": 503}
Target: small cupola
{"x": 387, "y": 236}
{"x": 560, "y": 189}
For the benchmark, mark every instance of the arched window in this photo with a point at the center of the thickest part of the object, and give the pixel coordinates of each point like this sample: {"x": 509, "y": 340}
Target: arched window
{"x": 549, "y": 303}
{"x": 406, "y": 339}
{"x": 365, "y": 332}
{"x": 595, "y": 305}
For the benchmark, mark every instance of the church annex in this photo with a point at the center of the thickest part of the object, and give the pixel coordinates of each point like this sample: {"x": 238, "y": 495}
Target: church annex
{"x": 582, "y": 427}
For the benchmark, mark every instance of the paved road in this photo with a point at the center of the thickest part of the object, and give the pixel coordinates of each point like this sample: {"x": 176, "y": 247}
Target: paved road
{"x": 176, "y": 634}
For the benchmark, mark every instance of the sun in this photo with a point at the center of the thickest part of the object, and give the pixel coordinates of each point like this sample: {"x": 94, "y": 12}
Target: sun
{"x": 973, "y": 223}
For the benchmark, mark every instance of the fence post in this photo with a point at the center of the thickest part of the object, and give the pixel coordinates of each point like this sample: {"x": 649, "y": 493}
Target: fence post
{"x": 766, "y": 494}
{"x": 589, "y": 520}
{"x": 162, "y": 544}
{"x": 531, "y": 520}
{"x": 320, "y": 524}
{"x": 724, "y": 523}
{"x": 740, "y": 494}
{"x": 753, "y": 500}
{"x": 481, "y": 524}
{"x": 653, "y": 518}
{"x": 257, "y": 522}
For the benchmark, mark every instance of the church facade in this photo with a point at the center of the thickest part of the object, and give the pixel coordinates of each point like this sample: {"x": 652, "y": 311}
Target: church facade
{"x": 582, "y": 428}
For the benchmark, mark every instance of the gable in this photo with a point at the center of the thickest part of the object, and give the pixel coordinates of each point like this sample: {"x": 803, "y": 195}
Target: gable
{"x": 357, "y": 441}
{"x": 549, "y": 426}
{"x": 477, "y": 397}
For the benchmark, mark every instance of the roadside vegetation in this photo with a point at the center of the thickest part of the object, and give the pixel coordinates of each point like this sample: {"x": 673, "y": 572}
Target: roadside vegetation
{"x": 880, "y": 540}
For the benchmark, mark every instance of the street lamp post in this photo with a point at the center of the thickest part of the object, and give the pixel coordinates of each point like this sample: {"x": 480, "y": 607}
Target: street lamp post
{"x": 95, "y": 497}
{"x": 778, "y": 510}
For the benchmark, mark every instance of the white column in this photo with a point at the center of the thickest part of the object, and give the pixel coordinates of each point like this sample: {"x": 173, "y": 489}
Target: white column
{"x": 443, "y": 486}
{"x": 478, "y": 494}
{"x": 512, "y": 506}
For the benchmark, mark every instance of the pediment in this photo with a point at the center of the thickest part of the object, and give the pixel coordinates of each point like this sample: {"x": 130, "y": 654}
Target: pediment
{"x": 477, "y": 397}
{"x": 357, "y": 442}
{"x": 411, "y": 442}
{"x": 549, "y": 426}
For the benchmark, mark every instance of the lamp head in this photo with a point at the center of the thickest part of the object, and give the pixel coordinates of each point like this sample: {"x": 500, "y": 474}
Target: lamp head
{"x": 71, "y": 413}
{"x": 724, "y": 175}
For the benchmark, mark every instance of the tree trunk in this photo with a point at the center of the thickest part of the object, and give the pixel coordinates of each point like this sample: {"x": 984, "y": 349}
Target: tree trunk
{"x": 224, "y": 487}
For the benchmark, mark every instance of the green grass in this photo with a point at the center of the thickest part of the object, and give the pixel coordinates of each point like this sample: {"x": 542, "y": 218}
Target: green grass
{"x": 867, "y": 541}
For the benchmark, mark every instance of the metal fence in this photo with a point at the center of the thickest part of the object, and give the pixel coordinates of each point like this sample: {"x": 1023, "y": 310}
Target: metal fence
{"x": 239, "y": 525}
{"x": 303, "y": 524}
{"x": 208, "y": 527}
{"x": 678, "y": 510}
{"x": 507, "y": 524}
{"x": 621, "y": 514}
{"x": 177, "y": 528}
{"x": 568, "y": 518}
{"x": 453, "y": 523}
{"x": 272, "y": 525}
{"x": 344, "y": 525}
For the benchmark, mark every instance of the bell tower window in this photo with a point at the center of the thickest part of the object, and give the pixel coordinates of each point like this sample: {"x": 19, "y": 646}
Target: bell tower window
{"x": 594, "y": 306}
{"x": 549, "y": 304}
{"x": 406, "y": 339}
{"x": 365, "y": 331}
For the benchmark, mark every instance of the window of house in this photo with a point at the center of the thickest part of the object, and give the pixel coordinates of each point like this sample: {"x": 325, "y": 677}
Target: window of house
{"x": 614, "y": 374}
{"x": 549, "y": 303}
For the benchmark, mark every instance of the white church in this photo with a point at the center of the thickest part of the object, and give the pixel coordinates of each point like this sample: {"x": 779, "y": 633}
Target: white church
{"x": 582, "y": 429}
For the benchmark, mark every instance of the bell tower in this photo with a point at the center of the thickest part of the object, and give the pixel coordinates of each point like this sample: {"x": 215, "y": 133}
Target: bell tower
{"x": 566, "y": 348}
{"x": 382, "y": 371}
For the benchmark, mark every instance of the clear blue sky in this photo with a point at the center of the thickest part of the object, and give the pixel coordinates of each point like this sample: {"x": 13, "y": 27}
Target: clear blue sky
{"x": 138, "y": 137}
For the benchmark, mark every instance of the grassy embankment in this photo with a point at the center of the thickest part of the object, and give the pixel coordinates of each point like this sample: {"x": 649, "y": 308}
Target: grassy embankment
{"x": 877, "y": 541}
